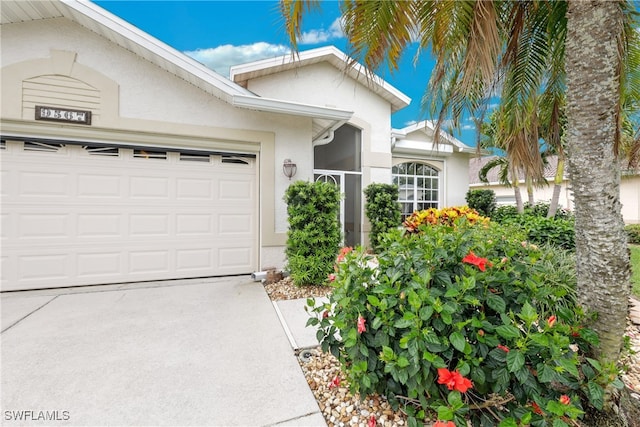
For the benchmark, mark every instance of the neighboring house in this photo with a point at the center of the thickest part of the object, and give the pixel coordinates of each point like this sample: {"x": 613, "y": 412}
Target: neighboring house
{"x": 125, "y": 160}
{"x": 629, "y": 188}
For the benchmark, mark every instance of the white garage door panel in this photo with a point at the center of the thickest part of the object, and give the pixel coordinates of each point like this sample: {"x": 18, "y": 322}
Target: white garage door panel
{"x": 72, "y": 218}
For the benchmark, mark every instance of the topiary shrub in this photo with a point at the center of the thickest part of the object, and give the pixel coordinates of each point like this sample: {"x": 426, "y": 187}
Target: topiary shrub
{"x": 314, "y": 234}
{"x": 460, "y": 322}
{"x": 633, "y": 233}
{"x": 382, "y": 210}
{"x": 484, "y": 201}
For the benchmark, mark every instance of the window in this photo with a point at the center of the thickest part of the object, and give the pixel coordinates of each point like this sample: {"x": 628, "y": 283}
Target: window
{"x": 419, "y": 186}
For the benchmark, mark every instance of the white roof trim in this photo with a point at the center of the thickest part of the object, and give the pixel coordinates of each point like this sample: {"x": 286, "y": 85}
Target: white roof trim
{"x": 277, "y": 106}
{"x": 400, "y": 134}
{"x": 243, "y": 72}
{"x": 161, "y": 54}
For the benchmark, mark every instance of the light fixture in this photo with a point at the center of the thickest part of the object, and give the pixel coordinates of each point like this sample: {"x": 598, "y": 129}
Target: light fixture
{"x": 289, "y": 168}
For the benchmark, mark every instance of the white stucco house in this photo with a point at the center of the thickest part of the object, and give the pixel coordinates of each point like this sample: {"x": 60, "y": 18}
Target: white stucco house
{"x": 124, "y": 160}
{"x": 629, "y": 188}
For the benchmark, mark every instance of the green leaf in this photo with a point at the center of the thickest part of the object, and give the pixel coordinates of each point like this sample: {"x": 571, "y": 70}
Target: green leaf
{"x": 546, "y": 374}
{"x": 403, "y": 323}
{"x": 515, "y": 360}
{"x": 376, "y": 323}
{"x": 373, "y": 300}
{"x": 455, "y": 400}
{"x": 458, "y": 341}
{"x": 508, "y": 422}
{"x": 596, "y": 394}
{"x": 559, "y": 423}
{"x": 426, "y": 312}
{"x": 570, "y": 366}
{"x": 387, "y": 353}
{"x": 403, "y": 362}
{"x": 445, "y": 413}
{"x": 446, "y": 318}
{"x": 496, "y": 303}
{"x": 528, "y": 314}
{"x": 508, "y": 331}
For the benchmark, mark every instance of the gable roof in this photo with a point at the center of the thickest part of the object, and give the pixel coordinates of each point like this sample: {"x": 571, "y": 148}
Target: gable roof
{"x": 131, "y": 38}
{"x": 401, "y": 140}
{"x": 245, "y": 72}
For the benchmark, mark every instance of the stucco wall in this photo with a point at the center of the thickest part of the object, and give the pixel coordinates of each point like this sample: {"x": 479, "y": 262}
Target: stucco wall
{"x": 323, "y": 84}
{"x": 148, "y": 105}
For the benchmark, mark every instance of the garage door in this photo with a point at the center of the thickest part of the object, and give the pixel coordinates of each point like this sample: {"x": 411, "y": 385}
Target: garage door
{"x": 87, "y": 214}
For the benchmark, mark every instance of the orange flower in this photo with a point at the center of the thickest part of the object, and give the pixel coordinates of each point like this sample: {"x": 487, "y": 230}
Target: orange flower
{"x": 551, "y": 321}
{"x": 503, "y": 348}
{"x": 343, "y": 252}
{"x": 361, "y": 324}
{"x": 453, "y": 380}
{"x": 479, "y": 262}
{"x": 536, "y": 408}
{"x": 565, "y": 400}
{"x": 444, "y": 424}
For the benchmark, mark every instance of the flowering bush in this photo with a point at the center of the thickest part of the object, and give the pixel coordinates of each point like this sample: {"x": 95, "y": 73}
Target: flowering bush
{"x": 458, "y": 321}
{"x": 447, "y": 216}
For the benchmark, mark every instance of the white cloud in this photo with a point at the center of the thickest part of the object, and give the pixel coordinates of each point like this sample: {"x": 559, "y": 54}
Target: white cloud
{"x": 322, "y": 35}
{"x": 220, "y": 58}
{"x": 468, "y": 127}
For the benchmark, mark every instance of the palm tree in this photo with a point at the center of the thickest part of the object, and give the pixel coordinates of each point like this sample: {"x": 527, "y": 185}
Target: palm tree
{"x": 595, "y": 46}
{"x": 519, "y": 49}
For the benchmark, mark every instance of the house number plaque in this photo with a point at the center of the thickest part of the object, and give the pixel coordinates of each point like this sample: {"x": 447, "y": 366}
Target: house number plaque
{"x": 63, "y": 115}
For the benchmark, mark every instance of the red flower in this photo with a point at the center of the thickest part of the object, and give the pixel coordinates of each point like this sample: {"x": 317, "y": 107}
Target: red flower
{"x": 503, "y": 348}
{"x": 479, "y": 262}
{"x": 335, "y": 382}
{"x": 453, "y": 380}
{"x": 361, "y": 325}
{"x": 565, "y": 400}
{"x": 325, "y": 314}
{"x": 372, "y": 421}
{"x": 536, "y": 408}
{"x": 332, "y": 277}
{"x": 551, "y": 321}
{"x": 444, "y": 424}
{"x": 343, "y": 253}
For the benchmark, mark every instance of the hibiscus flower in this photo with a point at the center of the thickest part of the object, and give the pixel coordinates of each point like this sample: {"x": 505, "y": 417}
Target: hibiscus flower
{"x": 361, "y": 324}
{"x": 479, "y": 262}
{"x": 453, "y": 380}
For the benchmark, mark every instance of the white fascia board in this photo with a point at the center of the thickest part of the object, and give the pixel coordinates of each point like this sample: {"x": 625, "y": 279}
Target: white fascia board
{"x": 155, "y": 46}
{"x": 429, "y": 124}
{"x": 284, "y": 107}
{"x": 422, "y": 148}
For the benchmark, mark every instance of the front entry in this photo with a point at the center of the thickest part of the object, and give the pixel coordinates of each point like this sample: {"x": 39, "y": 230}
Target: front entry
{"x": 338, "y": 162}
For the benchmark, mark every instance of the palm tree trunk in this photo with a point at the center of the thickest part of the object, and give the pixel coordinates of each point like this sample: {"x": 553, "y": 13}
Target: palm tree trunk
{"x": 593, "y": 91}
{"x": 557, "y": 186}
{"x": 515, "y": 183}
{"x": 530, "y": 197}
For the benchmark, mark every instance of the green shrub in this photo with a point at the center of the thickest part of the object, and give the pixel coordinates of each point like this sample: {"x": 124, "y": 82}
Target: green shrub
{"x": 314, "y": 236}
{"x": 553, "y": 231}
{"x": 504, "y": 213}
{"x": 382, "y": 210}
{"x": 484, "y": 201}
{"x": 541, "y": 209}
{"x": 633, "y": 233}
{"x": 462, "y": 322}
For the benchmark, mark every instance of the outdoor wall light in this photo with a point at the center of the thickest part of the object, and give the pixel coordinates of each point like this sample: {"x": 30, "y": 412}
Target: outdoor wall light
{"x": 289, "y": 168}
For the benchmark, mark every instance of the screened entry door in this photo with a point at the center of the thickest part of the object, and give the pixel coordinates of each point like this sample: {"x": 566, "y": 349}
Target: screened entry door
{"x": 349, "y": 184}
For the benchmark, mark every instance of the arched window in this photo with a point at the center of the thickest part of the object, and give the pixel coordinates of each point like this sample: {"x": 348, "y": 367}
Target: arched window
{"x": 419, "y": 186}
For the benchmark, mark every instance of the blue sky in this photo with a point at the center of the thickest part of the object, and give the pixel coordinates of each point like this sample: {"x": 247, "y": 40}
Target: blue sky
{"x": 224, "y": 33}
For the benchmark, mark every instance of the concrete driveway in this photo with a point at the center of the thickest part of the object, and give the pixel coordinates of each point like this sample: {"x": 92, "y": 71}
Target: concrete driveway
{"x": 198, "y": 352}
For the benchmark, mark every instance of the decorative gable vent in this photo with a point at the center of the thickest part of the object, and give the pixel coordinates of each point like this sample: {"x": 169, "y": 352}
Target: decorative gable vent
{"x": 59, "y": 91}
